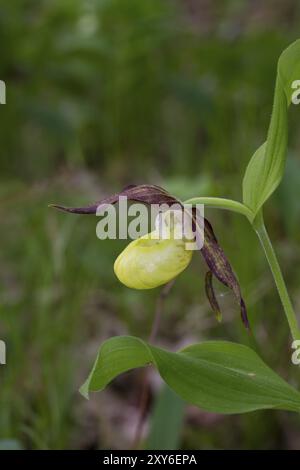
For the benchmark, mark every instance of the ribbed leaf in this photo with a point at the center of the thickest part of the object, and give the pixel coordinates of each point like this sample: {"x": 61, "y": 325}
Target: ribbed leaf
{"x": 217, "y": 376}
{"x": 265, "y": 169}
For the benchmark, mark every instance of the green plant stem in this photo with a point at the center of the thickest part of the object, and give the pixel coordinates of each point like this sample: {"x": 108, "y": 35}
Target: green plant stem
{"x": 259, "y": 227}
{"x": 266, "y": 243}
{"x": 220, "y": 203}
{"x": 145, "y": 387}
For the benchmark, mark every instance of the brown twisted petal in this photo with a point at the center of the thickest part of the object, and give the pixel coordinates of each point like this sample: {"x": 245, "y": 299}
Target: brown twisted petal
{"x": 209, "y": 289}
{"x": 144, "y": 193}
{"x": 220, "y": 267}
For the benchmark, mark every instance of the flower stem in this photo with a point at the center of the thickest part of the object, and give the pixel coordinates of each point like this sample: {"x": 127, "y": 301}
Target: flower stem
{"x": 259, "y": 227}
{"x": 220, "y": 203}
{"x": 145, "y": 386}
{"x": 266, "y": 243}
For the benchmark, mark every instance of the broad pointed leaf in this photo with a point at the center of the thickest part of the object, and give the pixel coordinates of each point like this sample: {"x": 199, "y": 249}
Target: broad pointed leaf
{"x": 266, "y": 168}
{"x": 217, "y": 376}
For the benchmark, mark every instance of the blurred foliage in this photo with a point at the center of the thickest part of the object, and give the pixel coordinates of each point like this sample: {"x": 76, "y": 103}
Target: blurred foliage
{"x": 102, "y": 93}
{"x": 166, "y": 422}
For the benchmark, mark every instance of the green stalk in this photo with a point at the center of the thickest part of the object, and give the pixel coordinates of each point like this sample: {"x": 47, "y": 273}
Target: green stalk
{"x": 220, "y": 203}
{"x": 260, "y": 229}
{"x": 266, "y": 243}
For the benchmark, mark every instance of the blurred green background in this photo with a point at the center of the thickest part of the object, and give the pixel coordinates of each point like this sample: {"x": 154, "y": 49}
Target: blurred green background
{"x": 104, "y": 93}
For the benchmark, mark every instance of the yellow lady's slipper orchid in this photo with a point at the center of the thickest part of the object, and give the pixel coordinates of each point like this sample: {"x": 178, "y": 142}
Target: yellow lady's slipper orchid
{"x": 150, "y": 261}
{"x": 154, "y": 260}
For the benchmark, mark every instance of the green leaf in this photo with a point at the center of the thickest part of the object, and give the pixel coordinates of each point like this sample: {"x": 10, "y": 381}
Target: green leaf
{"x": 166, "y": 421}
{"x": 216, "y": 376}
{"x": 266, "y": 167}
